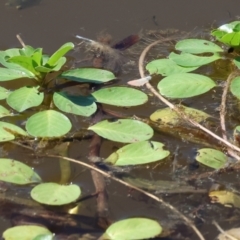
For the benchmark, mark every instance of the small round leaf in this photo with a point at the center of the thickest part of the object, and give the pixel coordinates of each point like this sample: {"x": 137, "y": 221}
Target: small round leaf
{"x": 4, "y": 112}
{"x": 3, "y": 93}
{"x": 235, "y": 87}
{"x": 48, "y": 123}
{"x": 55, "y": 194}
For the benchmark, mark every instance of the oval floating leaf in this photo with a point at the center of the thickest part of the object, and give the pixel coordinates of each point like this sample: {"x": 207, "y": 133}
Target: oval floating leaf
{"x": 8, "y": 131}
{"x": 24, "y": 98}
{"x": 133, "y": 228}
{"x": 79, "y": 105}
{"x": 168, "y": 116}
{"x": 16, "y": 172}
{"x": 120, "y": 96}
{"x": 167, "y": 67}
{"x": 28, "y": 232}
{"x": 12, "y": 74}
{"x": 184, "y": 85}
{"x": 91, "y": 75}
{"x": 3, "y": 93}
{"x": 55, "y": 194}
{"x": 4, "y": 112}
{"x": 197, "y": 46}
{"x": 48, "y": 123}
{"x": 235, "y": 87}
{"x": 190, "y": 60}
{"x": 123, "y": 130}
{"x": 211, "y": 158}
{"x": 138, "y": 153}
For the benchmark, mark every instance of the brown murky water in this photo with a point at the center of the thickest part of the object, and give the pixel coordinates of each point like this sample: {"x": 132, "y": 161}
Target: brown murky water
{"x": 49, "y": 24}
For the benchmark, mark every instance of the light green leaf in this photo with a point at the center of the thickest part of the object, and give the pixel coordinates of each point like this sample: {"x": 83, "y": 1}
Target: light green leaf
{"x": 37, "y": 56}
{"x": 133, "y": 228}
{"x": 167, "y": 67}
{"x": 168, "y": 116}
{"x": 120, "y": 96}
{"x": 123, "y": 130}
{"x": 11, "y": 74}
{"x": 44, "y": 237}
{"x": 28, "y": 232}
{"x": 24, "y": 98}
{"x": 3, "y": 93}
{"x": 57, "y": 67}
{"x": 190, "y": 60}
{"x": 48, "y": 123}
{"x": 235, "y": 87}
{"x": 138, "y": 153}
{"x": 12, "y": 52}
{"x": 27, "y": 51}
{"x": 211, "y": 158}
{"x": 91, "y": 75}
{"x": 184, "y": 85}
{"x": 4, "y": 112}
{"x": 8, "y": 131}
{"x": 55, "y": 194}
{"x": 197, "y": 46}
{"x": 52, "y": 61}
{"x": 79, "y": 105}
{"x": 16, "y": 172}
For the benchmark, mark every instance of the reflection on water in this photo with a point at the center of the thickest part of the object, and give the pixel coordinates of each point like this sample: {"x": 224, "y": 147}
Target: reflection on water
{"x": 21, "y": 4}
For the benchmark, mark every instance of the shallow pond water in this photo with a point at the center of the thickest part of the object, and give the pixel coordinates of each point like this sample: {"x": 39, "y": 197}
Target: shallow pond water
{"x": 49, "y": 24}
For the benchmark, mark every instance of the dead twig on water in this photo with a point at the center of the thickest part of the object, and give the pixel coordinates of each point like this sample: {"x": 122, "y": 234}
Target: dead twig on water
{"x": 20, "y": 40}
{"x": 137, "y": 189}
{"x": 224, "y": 232}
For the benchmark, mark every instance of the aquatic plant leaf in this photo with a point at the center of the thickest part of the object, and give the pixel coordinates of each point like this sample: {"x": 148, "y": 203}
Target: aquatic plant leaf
{"x": 52, "y": 61}
{"x": 197, "y": 46}
{"x": 3, "y": 93}
{"x": 44, "y": 237}
{"x": 185, "y": 85}
{"x": 232, "y": 39}
{"x": 235, "y": 87}
{"x": 8, "y": 131}
{"x": 168, "y": 116}
{"x": 24, "y": 98}
{"x": 17, "y": 172}
{"x": 26, "y": 232}
{"x": 25, "y": 62}
{"x": 120, "y": 96}
{"x": 123, "y": 130}
{"x": 27, "y": 51}
{"x": 138, "y": 153}
{"x": 37, "y": 56}
{"x": 48, "y": 123}
{"x": 12, "y": 74}
{"x": 12, "y": 52}
{"x": 79, "y": 105}
{"x": 89, "y": 75}
{"x": 133, "y": 228}
{"x": 55, "y": 194}
{"x": 4, "y": 112}
{"x": 211, "y": 158}
{"x": 225, "y": 198}
{"x": 167, "y": 67}
{"x": 190, "y": 60}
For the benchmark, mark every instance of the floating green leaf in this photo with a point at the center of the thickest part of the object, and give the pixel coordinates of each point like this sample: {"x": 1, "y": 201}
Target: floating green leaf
{"x": 48, "y": 123}
{"x": 120, "y": 96}
{"x": 44, "y": 237}
{"x": 16, "y": 172}
{"x": 133, "y": 228}
{"x": 28, "y": 232}
{"x": 235, "y": 87}
{"x": 211, "y": 158}
{"x": 80, "y": 105}
{"x": 52, "y": 61}
{"x": 3, "y": 93}
{"x": 166, "y": 67}
{"x": 197, "y": 46}
{"x": 184, "y": 85}
{"x": 11, "y": 74}
{"x": 4, "y": 112}
{"x": 123, "y": 130}
{"x": 168, "y": 116}
{"x": 190, "y": 60}
{"x": 55, "y": 194}
{"x": 26, "y": 51}
{"x": 8, "y": 131}
{"x": 138, "y": 153}
{"x": 91, "y": 75}
{"x": 24, "y": 98}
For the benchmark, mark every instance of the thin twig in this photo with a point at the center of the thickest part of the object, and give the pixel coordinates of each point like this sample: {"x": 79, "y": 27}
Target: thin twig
{"x": 172, "y": 106}
{"x": 223, "y": 112}
{"x": 224, "y": 232}
{"x": 20, "y": 40}
{"x": 137, "y": 189}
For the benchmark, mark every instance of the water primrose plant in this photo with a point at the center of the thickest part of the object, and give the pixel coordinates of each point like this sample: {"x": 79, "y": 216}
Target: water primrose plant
{"x": 49, "y": 119}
